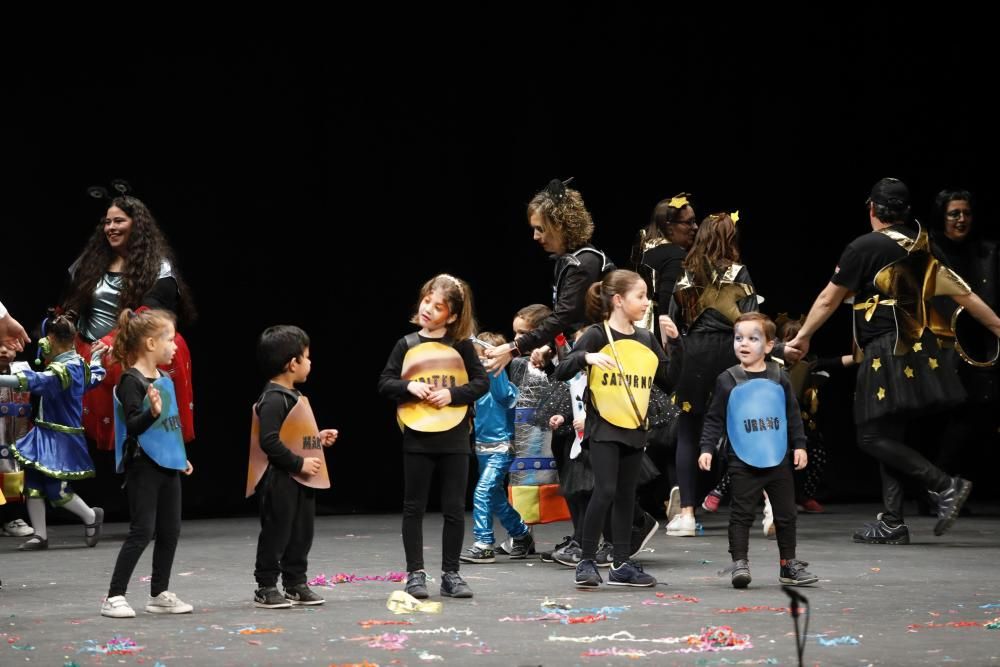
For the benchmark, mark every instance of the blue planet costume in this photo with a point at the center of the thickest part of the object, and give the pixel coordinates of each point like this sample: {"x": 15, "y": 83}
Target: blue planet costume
{"x": 757, "y": 415}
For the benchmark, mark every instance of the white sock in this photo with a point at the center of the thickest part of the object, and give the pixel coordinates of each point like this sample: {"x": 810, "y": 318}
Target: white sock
{"x": 36, "y": 512}
{"x": 81, "y": 509}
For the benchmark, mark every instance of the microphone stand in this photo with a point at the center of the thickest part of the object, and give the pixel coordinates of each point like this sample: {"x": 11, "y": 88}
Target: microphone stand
{"x": 795, "y": 599}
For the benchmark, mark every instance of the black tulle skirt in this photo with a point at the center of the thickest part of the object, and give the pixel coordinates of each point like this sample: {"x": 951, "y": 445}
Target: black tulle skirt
{"x": 920, "y": 381}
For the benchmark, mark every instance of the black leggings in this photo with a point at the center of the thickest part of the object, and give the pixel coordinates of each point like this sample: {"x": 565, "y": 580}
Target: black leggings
{"x": 688, "y": 449}
{"x": 616, "y": 473}
{"x": 882, "y": 438}
{"x": 748, "y": 485}
{"x": 453, "y": 474}
{"x": 154, "y": 501}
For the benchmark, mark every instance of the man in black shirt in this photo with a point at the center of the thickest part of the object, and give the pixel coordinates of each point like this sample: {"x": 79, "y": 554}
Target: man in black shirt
{"x": 890, "y": 273}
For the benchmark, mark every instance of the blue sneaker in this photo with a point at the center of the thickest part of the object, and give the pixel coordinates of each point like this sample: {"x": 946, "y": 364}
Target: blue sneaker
{"x": 587, "y": 575}
{"x": 630, "y": 573}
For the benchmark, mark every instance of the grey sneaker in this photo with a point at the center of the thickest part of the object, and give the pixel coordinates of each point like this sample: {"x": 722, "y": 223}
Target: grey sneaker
{"x": 949, "y": 503}
{"x": 570, "y": 555}
{"x": 300, "y": 594}
{"x": 478, "y": 553}
{"x": 416, "y": 584}
{"x": 453, "y": 586}
{"x": 741, "y": 573}
{"x": 268, "y": 597}
{"x": 881, "y": 532}
{"x": 546, "y": 556}
{"x": 605, "y": 555}
{"x": 794, "y": 573}
{"x": 522, "y": 547}
{"x": 167, "y": 603}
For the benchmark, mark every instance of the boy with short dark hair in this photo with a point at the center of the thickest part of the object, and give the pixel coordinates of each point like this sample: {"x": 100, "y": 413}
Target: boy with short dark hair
{"x": 286, "y": 466}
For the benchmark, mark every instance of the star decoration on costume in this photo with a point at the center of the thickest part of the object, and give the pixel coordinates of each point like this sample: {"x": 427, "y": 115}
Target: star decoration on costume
{"x": 880, "y": 393}
{"x": 932, "y": 362}
{"x": 876, "y": 364}
{"x": 686, "y": 407}
{"x": 908, "y": 372}
{"x": 918, "y": 346}
{"x": 678, "y": 202}
{"x": 735, "y": 216}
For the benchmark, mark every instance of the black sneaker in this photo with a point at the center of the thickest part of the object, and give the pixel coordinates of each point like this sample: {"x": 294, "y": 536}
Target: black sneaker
{"x": 630, "y": 573}
{"x": 570, "y": 555}
{"x": 546, "y": 556}
{"x": 741, "y": 573}
{"x": 643, "y": 534}
{"x": 268, "y": 597}
{"x": 478, "y": 554}
{"x": 882, "y": 533}
{"x": 605, "y": 555}
{"x": 522, "y": 547}
{"x": 794, "y": 573}
{"x": 949, "y": 503}
{"x": 302, "y": 595}
{"x": 453, "y": 586}
{"x": 587, "y": 575}
{"x": 416, "y": 584}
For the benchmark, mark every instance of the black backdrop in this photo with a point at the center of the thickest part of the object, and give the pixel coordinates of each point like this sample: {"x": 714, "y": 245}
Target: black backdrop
{"x": 319, "y": 179}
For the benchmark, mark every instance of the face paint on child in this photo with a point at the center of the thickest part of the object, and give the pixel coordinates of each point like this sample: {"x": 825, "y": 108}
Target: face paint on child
{"x": 751, "y": 345}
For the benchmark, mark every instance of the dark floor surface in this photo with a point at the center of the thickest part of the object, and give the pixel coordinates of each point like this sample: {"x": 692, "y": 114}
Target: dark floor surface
{"x": 922, "y": 604}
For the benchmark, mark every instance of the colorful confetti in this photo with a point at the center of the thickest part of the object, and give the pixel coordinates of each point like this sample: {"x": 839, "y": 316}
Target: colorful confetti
{"x": 343, "y": 578}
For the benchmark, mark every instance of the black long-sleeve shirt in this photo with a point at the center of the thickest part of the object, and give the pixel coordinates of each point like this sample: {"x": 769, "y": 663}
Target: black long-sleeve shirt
{"x": 667, "y": 260}
{"x": 593, "y": 340}
{"x": 393, "y": 387}
{"x": 273, "y": 407}
{"x": 131, "y": 391}
{"x": 715, "y": 419}
{"x": 578, "y": 273}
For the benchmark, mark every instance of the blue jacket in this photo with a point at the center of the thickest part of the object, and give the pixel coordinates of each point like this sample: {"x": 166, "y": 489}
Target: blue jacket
{"x": 495, "y": 411}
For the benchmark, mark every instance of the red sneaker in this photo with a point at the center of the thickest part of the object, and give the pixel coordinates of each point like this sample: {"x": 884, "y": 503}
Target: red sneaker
{"x": 812, "y": 506}
{"x": 711, "y": 502}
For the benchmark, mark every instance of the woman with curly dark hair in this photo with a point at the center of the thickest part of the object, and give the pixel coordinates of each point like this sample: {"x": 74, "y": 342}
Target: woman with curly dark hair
{"x": 561, "y": 224}
{"x": 127, "y": 263}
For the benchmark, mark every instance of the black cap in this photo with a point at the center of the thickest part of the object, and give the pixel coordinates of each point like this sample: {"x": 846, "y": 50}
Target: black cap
{"x": 890, "y": 192}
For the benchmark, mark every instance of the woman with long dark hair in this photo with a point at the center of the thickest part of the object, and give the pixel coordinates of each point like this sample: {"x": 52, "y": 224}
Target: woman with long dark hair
{"x": 127, "y": 263}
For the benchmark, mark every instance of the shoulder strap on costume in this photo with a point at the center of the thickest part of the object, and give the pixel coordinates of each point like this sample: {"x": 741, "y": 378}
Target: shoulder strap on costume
{"x": 738, "y": 374}
{"x": 278, "y": 390}
{"x": 773, "y": 371}
{"x": 605, "y": 263}
{"x": 413, "y": 339}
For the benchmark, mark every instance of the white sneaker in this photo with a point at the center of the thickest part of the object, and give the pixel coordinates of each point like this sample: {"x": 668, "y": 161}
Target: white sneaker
{"x": 117, "y": 607}
{"x": 167, "y": 603}
{"x": 682, "y": 525}
{"x": 674, "y": 503}
{"x": 17, "y": 528}
{"x": 769, "y": 531}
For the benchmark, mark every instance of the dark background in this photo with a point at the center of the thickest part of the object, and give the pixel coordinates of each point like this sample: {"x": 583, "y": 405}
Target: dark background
{"x": 318, "y": 177}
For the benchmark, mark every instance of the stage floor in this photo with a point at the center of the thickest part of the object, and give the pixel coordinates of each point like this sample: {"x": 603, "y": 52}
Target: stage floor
{"x": 922, "y": 604}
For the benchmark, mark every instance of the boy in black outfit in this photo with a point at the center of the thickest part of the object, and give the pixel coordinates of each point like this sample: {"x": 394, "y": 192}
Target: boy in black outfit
{"x": 754, "y": 409}
{"x": 294, "y": 468}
